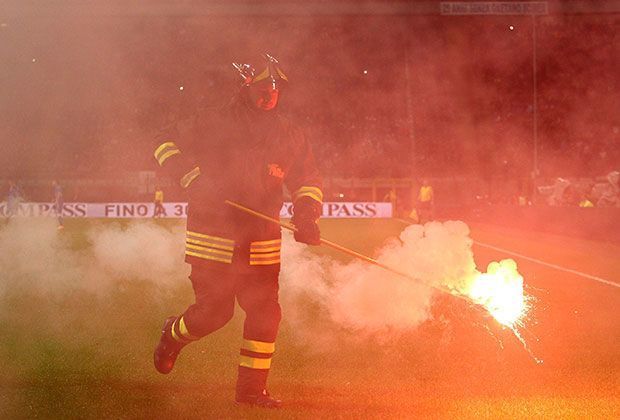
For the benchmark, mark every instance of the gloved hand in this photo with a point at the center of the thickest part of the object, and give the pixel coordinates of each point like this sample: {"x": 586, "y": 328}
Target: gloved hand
{"x": 306, "y": 212}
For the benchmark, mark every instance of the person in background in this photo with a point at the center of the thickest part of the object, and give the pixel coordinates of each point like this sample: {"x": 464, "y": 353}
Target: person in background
{"x": 611, "y": 191}
{"x": 393, "y": 199}
{"x": 425, "y": 202}
{"x": 57, "y": 203}
{"x": 585, "y": 201}
{"x": 13, "y": 198}
{"x": 159, "y": 203}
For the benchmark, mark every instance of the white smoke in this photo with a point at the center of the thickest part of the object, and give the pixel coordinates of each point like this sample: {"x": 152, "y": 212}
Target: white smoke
{"x": 38, "y": 258}
{"x": 140, "y": 250}
{"x": 368, "y": 299}
{"x": 317, "y": 291}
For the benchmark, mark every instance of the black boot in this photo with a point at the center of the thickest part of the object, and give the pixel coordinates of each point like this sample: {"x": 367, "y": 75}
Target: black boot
{"x": 167, "y": 349}
{"x": 262, "y": 399}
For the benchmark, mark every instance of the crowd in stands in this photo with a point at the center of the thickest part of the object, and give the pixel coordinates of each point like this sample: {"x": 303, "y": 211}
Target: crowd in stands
{"x": 589, "y": 192}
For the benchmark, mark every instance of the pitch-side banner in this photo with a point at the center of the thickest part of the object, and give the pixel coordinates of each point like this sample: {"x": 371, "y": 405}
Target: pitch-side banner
{"x": 179, "y": 210}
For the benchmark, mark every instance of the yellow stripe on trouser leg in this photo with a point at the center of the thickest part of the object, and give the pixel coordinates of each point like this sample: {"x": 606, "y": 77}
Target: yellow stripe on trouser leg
{"x": 254, "y": 362}
{"x": 173, "y": 331}
{"x": 258, "y": 346}
{"x": 184, "y": 332}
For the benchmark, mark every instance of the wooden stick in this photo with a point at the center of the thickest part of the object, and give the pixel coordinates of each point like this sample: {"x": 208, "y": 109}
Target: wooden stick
{"x": 332, "y": 244}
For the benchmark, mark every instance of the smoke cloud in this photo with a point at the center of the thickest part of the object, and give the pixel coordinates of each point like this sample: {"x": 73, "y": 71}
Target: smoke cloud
{"x": 318, "y": 292}
{"x": 36, "y": 258}
{"x": 370, "y": 300}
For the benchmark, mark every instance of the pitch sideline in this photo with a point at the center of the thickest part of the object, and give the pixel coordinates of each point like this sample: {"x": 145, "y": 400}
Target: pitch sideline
{"x": 537, "y": 261}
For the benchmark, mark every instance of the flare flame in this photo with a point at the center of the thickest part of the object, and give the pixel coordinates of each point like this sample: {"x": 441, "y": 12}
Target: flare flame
{"x": 500, "y": 291}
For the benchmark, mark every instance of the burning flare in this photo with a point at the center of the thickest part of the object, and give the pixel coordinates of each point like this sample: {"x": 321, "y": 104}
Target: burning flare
{"x": 500, "y": 291}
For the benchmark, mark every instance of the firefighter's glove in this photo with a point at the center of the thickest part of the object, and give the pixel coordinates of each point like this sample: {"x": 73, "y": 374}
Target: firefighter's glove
{"x": 306, "y": 212}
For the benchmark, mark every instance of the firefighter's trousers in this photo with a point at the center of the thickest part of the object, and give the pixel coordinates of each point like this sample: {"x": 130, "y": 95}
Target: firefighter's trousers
{"x": 257, "y": 294}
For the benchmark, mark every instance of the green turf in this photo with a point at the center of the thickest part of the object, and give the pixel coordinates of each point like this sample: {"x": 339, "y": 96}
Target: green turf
{"x": 82, "y": 355}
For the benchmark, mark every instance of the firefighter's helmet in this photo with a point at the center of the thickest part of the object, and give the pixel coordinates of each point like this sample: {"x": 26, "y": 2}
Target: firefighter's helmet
{"x": 272, "y": 72}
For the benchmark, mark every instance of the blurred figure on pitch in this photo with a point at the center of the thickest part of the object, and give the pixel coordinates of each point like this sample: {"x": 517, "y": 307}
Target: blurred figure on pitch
{"x": 57, "y": 202}
{"x": 159, "y": 211}
{"x": 425, "y": 206}
{"x": 610, "y": 191}
{"x": 13, "y": 198}
{"x": 392, "y": 198}
{"x": 585, "y": 202}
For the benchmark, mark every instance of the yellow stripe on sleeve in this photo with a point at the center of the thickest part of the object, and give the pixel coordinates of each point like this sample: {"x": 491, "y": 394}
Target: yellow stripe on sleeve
{"x": 161, "y": 147}
{"x": 166, "y": 150}
{"x": 313, "y": 192}
{"x": 189, "y": 177}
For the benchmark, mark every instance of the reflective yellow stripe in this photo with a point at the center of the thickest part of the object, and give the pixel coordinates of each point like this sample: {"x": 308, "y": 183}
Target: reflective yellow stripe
{"x": 264, "y": 74}
{"x": 174, "y": 334}
{"x": 265, "y": 256}
{"x": 273, "y": 248}
{"x": 258, "y": 346}
{"x": 311, "y": 195}
{"x": 313, "y": 192}
{"x": 254, "y": 363}
{"x": 189, "y": 177}
{"x": 166, "y": 155}
{"x": 209, "y": 244}
{"x": 184, "y": 332}
{"x": 281, "y": 73}
{"x": 163, "y": 146}
{"x": 213, "y": 238}
{"x": 273, "y": 241}
{"x": 165, "y": 150}
{"x": 210, "y": 250}
{"x": 208, "y": 257}
{"x": 266, "y": 246}
{"x": 261, "y": 262}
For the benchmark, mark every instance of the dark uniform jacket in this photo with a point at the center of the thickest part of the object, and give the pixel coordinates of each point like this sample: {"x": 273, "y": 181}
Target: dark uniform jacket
{"x": 238, "y": 154}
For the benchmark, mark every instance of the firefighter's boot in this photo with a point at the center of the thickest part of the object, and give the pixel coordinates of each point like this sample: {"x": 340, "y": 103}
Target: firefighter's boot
{"x": 251, "y": 388}
{"x": 261, "y": 399}
{"x": 167, "y": 349}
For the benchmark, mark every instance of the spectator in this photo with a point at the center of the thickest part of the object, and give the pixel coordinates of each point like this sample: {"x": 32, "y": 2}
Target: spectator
{"x": 14, "y": 197}
{"x": 610, "y": 196}
{"x": 392, "y": 197}
{"x": 57, "y": 203}
{"x": 159, "y": 203}
{"x": 426, "y": 202}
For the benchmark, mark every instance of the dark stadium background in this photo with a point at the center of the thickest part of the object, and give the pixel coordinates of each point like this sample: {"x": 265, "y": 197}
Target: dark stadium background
{"x": 385, "y": 89}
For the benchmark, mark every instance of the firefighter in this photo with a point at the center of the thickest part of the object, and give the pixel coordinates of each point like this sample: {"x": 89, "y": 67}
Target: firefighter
{"x": 245, "y": 151}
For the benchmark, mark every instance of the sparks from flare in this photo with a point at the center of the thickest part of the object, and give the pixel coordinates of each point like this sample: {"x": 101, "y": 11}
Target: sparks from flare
{"x": 500, "y": 291}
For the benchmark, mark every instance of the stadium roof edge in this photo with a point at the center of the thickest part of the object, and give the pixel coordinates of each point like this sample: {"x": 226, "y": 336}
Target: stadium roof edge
{"x": 51, "y": 8}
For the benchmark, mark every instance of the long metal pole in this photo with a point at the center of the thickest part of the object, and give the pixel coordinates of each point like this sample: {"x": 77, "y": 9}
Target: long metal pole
{"x": 324, "y": 241}
{"x": 346, "y": 250}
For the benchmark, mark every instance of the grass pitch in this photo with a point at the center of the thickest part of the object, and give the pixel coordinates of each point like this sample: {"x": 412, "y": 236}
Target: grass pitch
{"x": 86, "y": 354}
